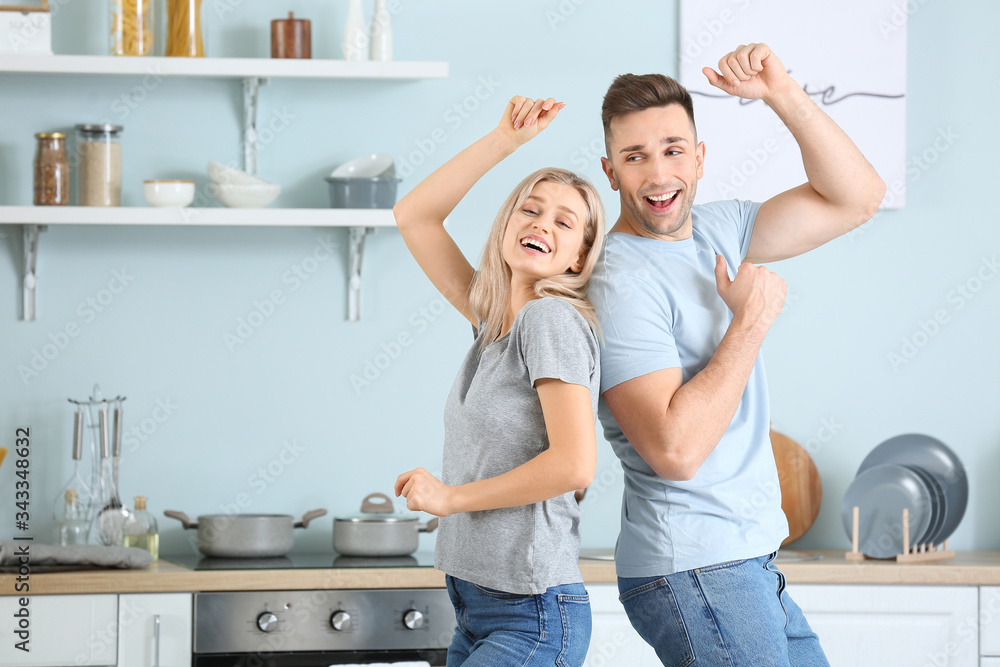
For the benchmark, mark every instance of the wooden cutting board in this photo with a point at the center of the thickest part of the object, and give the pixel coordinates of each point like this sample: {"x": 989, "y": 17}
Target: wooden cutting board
{"x": 801, "y": 489}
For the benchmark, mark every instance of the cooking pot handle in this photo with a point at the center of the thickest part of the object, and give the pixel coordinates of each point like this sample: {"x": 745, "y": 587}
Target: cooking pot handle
{"x": 428, "y": 527}
{"x": 384, "y": 507}
{"x": 307, "y": 517}
{"x": 182, "y": 517}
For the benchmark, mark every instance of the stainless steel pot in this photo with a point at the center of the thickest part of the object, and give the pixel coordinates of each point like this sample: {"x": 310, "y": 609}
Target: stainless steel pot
{"x": 378, "y": 531}
{"x": 245, "y": 535}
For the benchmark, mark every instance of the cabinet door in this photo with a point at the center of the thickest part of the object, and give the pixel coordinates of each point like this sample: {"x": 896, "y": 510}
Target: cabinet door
{"x": 138, "y": 616}
{"x": 989, "y": 621}
{"x": 989, "y": 662}
{"x": 63, "y": 630}
{"x": 613, "y": 641}
{"x": 875, "y": 626}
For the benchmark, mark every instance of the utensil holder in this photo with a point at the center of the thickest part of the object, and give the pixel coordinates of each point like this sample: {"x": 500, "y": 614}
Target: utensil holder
{"x": 918, "y": 553}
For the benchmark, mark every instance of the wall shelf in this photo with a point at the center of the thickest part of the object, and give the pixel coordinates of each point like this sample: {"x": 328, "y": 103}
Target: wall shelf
{"x": 253, "y": 73}
{"x": 225, "y": 68}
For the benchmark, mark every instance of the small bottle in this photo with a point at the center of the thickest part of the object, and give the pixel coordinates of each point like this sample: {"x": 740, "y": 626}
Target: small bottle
{"x": 139, "y": 529}
{"x": 355, "y": 44}
{"x": 71, "y": 520}
{"x": 381, "y": 33}
{"x": 51, "y": 170}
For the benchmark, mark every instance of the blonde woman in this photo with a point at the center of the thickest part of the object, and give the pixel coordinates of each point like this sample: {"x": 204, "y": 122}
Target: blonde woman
{"x": 519, "y": 421}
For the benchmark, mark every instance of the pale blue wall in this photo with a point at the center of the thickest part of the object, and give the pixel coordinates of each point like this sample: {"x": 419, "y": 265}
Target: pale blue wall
{"x": 161, "y": 339}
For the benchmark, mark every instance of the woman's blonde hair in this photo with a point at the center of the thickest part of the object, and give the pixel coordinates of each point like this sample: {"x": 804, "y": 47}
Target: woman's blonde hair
{"x": 489, "y": 293}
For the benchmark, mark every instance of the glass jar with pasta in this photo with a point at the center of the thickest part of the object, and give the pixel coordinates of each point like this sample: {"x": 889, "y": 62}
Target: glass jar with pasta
{"x": 184, "y": 29}
{"x": 132, "y": 27}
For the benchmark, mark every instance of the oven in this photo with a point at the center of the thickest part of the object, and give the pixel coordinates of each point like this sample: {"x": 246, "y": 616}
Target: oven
{"x": 312, "y": 628}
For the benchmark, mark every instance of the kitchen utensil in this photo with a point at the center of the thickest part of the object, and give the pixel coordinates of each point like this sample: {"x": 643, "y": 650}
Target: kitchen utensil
{"x": 110, "y": 518}
{"x": 936, "y": 458}
{"x": 290, "y": 38}
{"x": 245, "y": 196}
{"x": 882, "y": 493}
{"x": 71, "y": 509}
{"x": 367, "y": 166}
{"x": 168, "y": 194}
{"x": 245, "y": 535}
{"x": 378, "y": 530}
{"x": 379, "y": 192}
{"x": 801, "y": 488}
{"x": 934, "y": 493}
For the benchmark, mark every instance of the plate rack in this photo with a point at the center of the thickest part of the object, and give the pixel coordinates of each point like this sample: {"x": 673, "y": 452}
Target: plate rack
{"x": 917, "y": 553}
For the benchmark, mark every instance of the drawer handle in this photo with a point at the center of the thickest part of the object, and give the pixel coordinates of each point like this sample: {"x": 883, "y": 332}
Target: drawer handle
{"x": 156, "y": 640}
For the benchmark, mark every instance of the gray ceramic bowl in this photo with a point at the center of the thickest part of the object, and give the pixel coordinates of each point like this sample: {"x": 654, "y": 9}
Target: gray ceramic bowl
{"x": 378, "y": 192}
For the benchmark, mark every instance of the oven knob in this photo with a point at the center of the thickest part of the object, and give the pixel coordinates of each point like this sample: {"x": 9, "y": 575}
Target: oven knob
{"x": 413, "y": 619}
{"x": 340, "y": 620}
{"x": 267, "y": 622}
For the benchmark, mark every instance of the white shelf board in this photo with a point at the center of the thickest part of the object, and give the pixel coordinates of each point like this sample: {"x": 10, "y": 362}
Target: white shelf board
{"x": 196, "y": 217}
{"x": 223, "y": 67}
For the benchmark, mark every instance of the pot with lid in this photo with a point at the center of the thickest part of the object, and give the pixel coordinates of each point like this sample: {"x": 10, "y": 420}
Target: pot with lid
{"x": 245, "y": 535}
{"x": 378, "y": 531}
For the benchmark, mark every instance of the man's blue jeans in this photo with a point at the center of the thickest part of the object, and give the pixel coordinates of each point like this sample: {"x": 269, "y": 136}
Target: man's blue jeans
{"x": 736, "y": 613}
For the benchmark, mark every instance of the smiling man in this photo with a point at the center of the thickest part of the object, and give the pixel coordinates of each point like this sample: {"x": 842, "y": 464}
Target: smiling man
{"x": 684, "y": 397}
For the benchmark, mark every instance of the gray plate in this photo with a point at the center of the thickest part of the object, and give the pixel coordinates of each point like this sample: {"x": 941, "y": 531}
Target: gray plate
{"x": 881, "y": 493}
{"x": 935, "y": 457}
{"x": 938, "y": 506}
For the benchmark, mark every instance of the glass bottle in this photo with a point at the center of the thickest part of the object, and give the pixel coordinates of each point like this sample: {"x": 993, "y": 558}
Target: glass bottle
{"x": 132, "y": 27}
{"x": 355, "y": 44}
{"x": 51, "y": 170}
{"x": 99, "y": 176}
{"x": 71, "y": 520}
{"x": 184, "y": 29}
{"x": 140, "y": 529}
{"x": 381, "y": 32}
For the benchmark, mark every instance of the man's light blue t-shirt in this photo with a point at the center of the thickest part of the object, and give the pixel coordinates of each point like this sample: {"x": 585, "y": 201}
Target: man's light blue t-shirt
{"x": 658, "y": 308}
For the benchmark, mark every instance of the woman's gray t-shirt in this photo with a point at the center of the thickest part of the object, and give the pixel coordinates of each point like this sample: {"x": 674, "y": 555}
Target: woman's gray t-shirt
{"x": 492, "y": 424}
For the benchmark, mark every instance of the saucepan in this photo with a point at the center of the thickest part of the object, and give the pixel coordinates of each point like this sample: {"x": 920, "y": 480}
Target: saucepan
{"x": 378, "y": 530}
{"x": 245, "y": 535}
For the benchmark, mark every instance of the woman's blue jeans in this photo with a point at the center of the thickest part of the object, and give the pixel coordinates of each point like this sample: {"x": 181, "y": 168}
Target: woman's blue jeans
{"x": 498, "y": 629}
{"x": 736, "y": 613}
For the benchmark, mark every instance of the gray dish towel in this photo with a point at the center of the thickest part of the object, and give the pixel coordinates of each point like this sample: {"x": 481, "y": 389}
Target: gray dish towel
{"x": 92, "y": 555}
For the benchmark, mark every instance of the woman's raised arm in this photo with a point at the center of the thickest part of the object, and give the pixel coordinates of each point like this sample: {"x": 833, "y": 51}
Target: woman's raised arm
{"x": 421, "y": 213}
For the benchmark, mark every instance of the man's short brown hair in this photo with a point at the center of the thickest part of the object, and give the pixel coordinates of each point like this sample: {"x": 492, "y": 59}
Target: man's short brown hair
{"x": 634, "y": 92}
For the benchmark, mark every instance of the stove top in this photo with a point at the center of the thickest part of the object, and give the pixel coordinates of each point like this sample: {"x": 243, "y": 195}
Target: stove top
{"x": 295, "y": 561}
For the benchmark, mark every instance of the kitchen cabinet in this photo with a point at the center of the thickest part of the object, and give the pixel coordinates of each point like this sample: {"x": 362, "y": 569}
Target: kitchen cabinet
{"x": 876, "y": 626}
{"x": 154, "y": 630}
{"x": 253, "y": 73}
{"x": 613, "y": 641}
{"x": 989, "y": 622}
{"x": 64, "y": 630}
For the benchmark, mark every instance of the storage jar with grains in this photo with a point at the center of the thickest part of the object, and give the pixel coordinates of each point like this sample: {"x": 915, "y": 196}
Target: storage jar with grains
{"x": 51, "y": 170}
{"x": 132, "y": 27}
{"x": 99, "y": 176}
{"x": 184, "y": 29}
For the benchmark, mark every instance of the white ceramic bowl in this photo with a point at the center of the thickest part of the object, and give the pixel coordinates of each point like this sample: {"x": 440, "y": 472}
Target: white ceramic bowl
{"x": 368, "y": 166}
{"x": 220, "y": 173}
{"x": 245, "y": 196}
{"x": 168, "y": 194}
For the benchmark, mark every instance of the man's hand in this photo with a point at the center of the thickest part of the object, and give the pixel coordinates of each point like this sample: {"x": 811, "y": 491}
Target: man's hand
{"x": 757, "y": 294}
{"x": 526, "y": 117}
{"x": 424, "y": 492}
{"x": 752, "y": 72}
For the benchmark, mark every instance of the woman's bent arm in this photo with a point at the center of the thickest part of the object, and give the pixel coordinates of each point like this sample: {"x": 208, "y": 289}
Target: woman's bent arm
{"x": 567, "y": 465}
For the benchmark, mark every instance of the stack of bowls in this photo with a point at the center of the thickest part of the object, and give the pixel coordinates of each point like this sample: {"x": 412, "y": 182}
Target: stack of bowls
{"x": 365, "y": 182}
{"x": 238, "y": 189}
{"x": 914, "y": 472}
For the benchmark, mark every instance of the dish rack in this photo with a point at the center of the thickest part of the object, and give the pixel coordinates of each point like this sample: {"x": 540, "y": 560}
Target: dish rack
{"x": 917, "y": 553}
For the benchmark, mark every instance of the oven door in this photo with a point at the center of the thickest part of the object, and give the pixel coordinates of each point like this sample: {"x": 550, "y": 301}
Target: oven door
{"x": 434, "y": 657}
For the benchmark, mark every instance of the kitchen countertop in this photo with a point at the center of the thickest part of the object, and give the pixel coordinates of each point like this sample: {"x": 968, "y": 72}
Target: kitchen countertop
{"x": 968, "y": 568}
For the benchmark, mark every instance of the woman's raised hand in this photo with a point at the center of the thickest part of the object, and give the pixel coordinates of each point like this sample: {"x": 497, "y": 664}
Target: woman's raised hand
{"x": 526, "y": 117}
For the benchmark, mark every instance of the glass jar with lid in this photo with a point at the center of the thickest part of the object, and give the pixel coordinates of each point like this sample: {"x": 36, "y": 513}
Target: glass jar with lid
{"x": 132, "y": 27}
{"x": 51, "y": 170}
{"x": 184, "y": 36}
{"x": 99, "y": 176}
